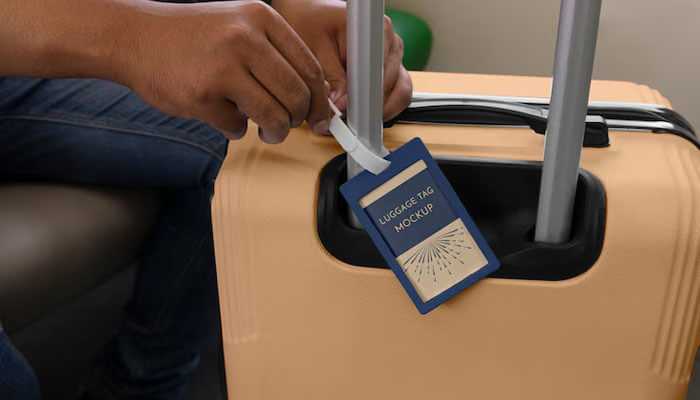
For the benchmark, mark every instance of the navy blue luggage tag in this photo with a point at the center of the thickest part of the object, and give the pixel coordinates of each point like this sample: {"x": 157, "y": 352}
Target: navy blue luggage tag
{"x": 418, "y": 223}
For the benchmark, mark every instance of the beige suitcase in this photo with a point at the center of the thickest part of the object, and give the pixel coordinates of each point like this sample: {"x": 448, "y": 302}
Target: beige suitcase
{"x": 300, "y": 323}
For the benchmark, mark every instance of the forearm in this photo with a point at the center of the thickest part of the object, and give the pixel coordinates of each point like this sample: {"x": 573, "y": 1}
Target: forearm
{"x": 68, "y": 38}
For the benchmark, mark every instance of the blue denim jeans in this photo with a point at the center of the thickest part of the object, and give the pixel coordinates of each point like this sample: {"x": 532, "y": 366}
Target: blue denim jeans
{"x": 100, "y": 133}
{"x": 17, "y": 380}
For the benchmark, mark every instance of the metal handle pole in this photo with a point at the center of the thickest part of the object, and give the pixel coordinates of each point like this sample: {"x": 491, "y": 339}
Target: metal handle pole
{"x": 573, "y": 67}
{"x": 365, "y": 67}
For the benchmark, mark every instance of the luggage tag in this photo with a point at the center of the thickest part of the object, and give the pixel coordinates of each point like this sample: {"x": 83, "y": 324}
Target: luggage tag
{"x": 415, "y": 219}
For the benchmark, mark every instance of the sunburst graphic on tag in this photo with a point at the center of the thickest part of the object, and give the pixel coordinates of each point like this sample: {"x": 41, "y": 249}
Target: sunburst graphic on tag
{"x": 441, "y": 260}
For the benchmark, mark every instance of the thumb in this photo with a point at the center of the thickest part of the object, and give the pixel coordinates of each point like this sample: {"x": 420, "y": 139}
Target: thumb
{"x": 334, "y": 71}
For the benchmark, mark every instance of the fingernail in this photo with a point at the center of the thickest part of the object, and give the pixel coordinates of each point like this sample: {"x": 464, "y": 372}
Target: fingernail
{"x": 271, "y": 138}
{"x": 321, "y": 127}
{"x": 334, "y": 95}
{"x": 264, "y": 136}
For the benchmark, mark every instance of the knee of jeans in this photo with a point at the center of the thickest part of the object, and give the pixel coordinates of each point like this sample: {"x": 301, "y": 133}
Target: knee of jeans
{"x": 213, "y": 163}
{"x": 186, "y": 166}
{"x": 211, "y": 171}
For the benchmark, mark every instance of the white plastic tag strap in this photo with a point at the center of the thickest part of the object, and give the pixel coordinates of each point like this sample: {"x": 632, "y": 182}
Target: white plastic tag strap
{"x": 353, "y": 146}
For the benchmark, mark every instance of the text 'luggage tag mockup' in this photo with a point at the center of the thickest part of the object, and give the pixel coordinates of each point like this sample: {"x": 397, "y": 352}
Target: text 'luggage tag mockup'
{"x": 415, "y": 219}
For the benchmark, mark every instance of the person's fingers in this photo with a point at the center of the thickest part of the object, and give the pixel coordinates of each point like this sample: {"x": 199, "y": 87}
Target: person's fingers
{"x": 333, "y": 68}
{"x": 400, "y": 96}
{"x": 225, "y": 117}
{"x": 282, "y": 81}
{"x": 388, "y": 35}
{"x": 270, "y": 138}
{"x": 292, "y": 48}
{"x": 263, "y": 108}
{"x": 392, "y": 65}
{"x": 342, "y": 102}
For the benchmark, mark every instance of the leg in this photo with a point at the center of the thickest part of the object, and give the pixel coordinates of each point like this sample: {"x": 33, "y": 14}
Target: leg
{"x": 170, "y": 313}
{"x": 17, "y": 380}
{"x": 96, "y": 132}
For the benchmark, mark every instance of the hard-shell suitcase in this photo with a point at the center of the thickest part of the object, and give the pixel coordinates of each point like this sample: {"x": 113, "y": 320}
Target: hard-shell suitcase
{"x": 309, "y": 311}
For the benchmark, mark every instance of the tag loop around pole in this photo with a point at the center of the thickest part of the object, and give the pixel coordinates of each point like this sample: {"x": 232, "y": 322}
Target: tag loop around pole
{"x": 352, "y": 144}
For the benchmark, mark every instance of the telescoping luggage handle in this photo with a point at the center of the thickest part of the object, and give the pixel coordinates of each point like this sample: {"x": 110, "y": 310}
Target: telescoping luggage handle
{"x": 365, "y": 68}
{"x": 573, "y": 67}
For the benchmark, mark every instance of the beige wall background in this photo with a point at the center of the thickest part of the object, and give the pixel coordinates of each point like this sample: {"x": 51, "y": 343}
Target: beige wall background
{"x": 656, "y": 42}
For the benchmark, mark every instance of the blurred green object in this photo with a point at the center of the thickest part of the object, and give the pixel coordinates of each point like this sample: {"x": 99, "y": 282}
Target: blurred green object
{"x": 417, "y": 38}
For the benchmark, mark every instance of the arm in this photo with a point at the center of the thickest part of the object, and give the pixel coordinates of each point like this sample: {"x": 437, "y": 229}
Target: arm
{"x": 67, "y": 38}
{"x": 219, "y": 62}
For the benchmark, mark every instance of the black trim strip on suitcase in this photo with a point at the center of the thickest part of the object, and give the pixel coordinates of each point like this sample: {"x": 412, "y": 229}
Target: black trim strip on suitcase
{"x": 599, "y": 120}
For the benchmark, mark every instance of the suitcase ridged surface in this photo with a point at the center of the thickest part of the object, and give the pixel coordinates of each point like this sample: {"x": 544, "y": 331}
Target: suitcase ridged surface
{"x": 298, "y": 324}
{"x": 674, "y": 342}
